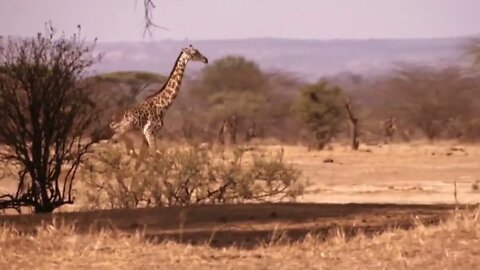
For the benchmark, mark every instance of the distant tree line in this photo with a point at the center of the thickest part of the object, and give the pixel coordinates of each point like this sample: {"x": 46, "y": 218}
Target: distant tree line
{"x": 235, "y": 101}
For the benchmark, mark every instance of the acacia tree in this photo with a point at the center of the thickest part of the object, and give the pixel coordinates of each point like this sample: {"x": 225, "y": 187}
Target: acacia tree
{"x": 319, "y": 107}
{"x": 45, "y": 113}
{"x": 233, "y": 88}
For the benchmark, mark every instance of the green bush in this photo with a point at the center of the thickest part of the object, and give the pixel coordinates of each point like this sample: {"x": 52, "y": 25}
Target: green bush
{"x": 319, "y": 107}
{"x": 188, "y": 176}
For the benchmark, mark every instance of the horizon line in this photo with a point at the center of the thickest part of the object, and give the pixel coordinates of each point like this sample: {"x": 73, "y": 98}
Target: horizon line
{"x": 470, "y": 36}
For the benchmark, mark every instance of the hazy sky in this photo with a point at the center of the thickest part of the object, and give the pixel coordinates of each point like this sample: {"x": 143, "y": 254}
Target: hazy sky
{"x": 114, "y": 20}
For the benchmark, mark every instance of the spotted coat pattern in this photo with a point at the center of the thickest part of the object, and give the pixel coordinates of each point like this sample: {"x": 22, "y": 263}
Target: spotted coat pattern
{"x": 147, "y": 116}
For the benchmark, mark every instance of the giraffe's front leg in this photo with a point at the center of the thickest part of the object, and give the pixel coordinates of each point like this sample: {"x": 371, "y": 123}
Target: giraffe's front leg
{"x": 148, "y": 143}
{"x": 150, "y": 131}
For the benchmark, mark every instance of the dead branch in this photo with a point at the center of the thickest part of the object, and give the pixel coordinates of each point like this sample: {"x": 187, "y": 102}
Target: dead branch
{"x": 149, "y": 6}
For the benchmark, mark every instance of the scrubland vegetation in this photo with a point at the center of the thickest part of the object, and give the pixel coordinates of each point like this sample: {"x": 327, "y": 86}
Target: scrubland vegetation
{"x": 184, "y": 177}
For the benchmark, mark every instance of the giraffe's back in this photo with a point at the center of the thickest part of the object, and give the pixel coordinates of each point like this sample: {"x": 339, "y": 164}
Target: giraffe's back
{"x": 140, "y": 115}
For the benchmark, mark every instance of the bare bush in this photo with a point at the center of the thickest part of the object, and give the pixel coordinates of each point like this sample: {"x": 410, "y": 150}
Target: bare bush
{"x": 45, "y": 114}
{"x": 189, "y": 176}
{"x": 474, "y": 51}
{"x": 433, "y": 100}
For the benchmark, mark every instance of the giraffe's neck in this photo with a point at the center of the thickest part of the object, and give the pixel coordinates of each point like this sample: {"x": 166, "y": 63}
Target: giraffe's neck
{"x": 165, "y": 96}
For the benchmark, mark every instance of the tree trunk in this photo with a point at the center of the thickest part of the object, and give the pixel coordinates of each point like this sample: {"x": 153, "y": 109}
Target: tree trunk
{"x": 353, "y": 125}
{"x": 251, "y": 133}
{"x": 233, "y": 124}
{"x": 320, "y": 140}
{"x": 45, "y": 207}
{"x": 221, "y": 132}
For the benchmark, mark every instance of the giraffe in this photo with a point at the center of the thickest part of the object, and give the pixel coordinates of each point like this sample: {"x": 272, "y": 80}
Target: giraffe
{"x": 229, "y": 125}
{"x": 389, "y": 128}
{"x": 148, "y": 115}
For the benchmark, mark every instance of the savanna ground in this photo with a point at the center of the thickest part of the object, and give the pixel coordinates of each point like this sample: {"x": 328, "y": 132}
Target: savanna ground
{"x": 353, "y": 216}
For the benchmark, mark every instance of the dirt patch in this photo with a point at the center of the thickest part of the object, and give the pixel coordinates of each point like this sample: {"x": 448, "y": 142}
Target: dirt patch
{"x": 244, "y": 225}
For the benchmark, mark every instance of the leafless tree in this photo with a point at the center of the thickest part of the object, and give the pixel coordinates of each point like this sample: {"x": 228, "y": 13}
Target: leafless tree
{"x": 474, "y": 50}
{"x": 45, "y": 113}
{"x": 430, "y": 97}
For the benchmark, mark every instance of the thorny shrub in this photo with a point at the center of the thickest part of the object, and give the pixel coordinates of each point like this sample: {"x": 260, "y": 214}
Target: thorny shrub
{"x": 189, "y": 176}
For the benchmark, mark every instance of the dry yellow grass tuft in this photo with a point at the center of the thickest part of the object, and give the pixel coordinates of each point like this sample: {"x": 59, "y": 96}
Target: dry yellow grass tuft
{"x": 453, "y": 244}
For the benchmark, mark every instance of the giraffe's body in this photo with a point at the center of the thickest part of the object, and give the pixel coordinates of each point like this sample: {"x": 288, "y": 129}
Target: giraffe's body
{"x": 148, "y": 115}
{"x": 389, "y": 128}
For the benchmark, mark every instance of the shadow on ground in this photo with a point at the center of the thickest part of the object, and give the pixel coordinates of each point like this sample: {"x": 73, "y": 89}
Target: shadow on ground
{"x": 244, "y": 225}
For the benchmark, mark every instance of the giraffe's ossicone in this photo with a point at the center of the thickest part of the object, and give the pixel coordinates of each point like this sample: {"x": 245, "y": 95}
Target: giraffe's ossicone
{"x": 147, "y": 116}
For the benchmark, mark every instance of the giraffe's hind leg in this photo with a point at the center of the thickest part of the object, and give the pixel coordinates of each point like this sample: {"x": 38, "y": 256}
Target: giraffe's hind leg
{"x": 140, "y": 157}
{"x": 129, "y": 145}
{"x": 127, "y": 141}
{"x": 120, "y": 135}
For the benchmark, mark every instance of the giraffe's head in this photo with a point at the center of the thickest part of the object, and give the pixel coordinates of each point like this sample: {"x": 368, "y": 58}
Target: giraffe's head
{"x": 194, "y": 54}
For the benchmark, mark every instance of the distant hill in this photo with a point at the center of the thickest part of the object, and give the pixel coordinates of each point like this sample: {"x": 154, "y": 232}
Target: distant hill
{"x": 307, "y": 59}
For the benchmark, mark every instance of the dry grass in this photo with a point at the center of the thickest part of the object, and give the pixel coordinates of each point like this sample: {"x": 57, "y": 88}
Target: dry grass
{"x": 415, "y": 173}
{"x": 454, "y": 244}
{"x": 418, "y": 172}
